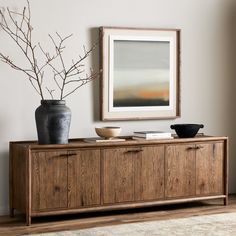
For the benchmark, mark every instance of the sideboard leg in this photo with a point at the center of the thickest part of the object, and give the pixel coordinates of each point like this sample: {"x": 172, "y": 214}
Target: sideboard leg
{"x": 28, "y": 220}
{"x": 226, "y": 201}
{"x": 11, "y": 212}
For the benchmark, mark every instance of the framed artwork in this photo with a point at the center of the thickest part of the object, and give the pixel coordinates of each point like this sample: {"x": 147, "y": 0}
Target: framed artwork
{"x": 140, "y": 73}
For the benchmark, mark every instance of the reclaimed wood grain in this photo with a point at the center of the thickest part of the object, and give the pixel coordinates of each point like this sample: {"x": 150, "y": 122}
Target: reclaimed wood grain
{"x": 118, "y": 182}
{"x": 149, "y": 173}
{"x": 210, "y": 168}
{"x": 49, "y": 180}
{"x": 83, "y": 178}
{"x": 180, "y": 178}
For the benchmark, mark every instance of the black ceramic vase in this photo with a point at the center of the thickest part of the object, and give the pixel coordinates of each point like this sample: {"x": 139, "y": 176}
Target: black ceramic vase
{"x": 53, "y": 122}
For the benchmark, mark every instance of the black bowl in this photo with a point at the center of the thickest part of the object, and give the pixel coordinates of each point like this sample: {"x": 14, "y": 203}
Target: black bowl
{"x": 186, "y": 130}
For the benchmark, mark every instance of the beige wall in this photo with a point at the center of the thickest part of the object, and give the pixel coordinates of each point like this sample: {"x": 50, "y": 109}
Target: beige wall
{"x": 207, "y": 72}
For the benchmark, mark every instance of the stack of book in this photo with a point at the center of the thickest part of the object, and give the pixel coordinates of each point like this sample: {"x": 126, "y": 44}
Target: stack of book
{"x": 100, "y": 140}
{"x": 152, "y": 135}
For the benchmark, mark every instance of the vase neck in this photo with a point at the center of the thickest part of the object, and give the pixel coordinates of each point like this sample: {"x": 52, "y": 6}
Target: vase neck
{"x": 53, "y": 102}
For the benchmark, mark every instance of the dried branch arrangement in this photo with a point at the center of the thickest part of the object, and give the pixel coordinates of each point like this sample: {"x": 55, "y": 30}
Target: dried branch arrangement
{"x": 20, "y": 31}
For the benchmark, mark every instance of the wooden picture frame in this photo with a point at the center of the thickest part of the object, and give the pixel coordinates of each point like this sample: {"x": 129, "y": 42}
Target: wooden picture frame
{"x": 140, "y": 73}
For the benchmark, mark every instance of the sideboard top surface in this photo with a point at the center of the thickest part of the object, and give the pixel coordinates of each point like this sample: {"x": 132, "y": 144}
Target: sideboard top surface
{"x": 80, "y": 143}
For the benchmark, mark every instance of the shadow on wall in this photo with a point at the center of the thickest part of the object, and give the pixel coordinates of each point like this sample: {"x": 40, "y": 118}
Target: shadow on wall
{"x": 4, "y": 180}
{"x": 232, "y": 100}
{"x": 94, "y": 37}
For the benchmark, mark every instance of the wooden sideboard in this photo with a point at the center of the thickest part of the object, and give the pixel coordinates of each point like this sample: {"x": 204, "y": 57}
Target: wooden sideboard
{"x": 82, "y": 177}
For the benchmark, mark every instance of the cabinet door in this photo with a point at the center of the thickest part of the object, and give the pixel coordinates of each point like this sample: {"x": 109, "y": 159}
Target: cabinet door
{"x": 49, "y": 180}
{"x": 83, "y": 178}
{"x": 118, "y": 178}
{"x": 149, "y": 174}
{"x": 133, "y": 174}
{"x": 209, "y": 168}
{"x": 180, "y": 170}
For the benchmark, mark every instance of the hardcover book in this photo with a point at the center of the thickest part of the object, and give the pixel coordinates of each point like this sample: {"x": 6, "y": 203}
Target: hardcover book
{"x": 99, "y": 140}
{"x": 152, "y": 134}
{"x": 150, "y": 138}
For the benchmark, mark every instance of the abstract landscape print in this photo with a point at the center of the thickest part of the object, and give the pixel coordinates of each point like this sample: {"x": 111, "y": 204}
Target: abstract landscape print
{"x": 140, "y": 74}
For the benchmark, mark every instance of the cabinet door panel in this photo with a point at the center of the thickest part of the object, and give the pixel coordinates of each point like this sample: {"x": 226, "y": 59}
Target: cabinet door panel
{"x": 84, "y": 178}
{"x": 118, "y": 166}
{"x": 209, "y": 169}
{"x": 180, "y": 170}
{"x": 149, "y": 174}
{"x": 49, "y": 180}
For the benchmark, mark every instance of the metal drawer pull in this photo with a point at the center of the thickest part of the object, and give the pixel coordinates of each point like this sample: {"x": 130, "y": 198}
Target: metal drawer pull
{"x": 194, "y": 148}
{"x": 63, "y": 155}
{"x": 134, "y": 151}
{"x": 67, "y": 154}
{"x": 71, "y": 154}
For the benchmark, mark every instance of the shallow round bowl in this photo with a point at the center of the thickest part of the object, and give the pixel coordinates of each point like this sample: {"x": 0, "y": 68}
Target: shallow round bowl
{"x": 108, "y": 132}
{"x": 186, "y": 130}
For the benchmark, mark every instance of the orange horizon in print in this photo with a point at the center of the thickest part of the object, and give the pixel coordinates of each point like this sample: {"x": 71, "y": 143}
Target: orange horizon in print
{"x": 152, "y": 95}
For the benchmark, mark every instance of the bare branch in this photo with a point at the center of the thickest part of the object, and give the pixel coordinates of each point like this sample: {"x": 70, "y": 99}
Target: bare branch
{"x": 48, "y": 57}
{"x": 3, "y": 19}
{"x": 55, "y": 79}
{"x": 77, "y": 80}
{"x": 23, "y": 17}
{"x": 8, "y": 61}
{"x": 20, "y": 31}
{"x": 65, "y": 38}
{"x": 83, "y": 82}
{"x": 30, "y": 79}
{"x": 48, "y": 62}
{"x": 50, "y": 92}
{"x": 87, "y": 53}
{"x": 24, "y": 40}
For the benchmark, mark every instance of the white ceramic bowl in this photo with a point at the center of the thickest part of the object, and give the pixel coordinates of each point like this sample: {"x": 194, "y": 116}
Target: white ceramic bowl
{"x": 108, "y": 132}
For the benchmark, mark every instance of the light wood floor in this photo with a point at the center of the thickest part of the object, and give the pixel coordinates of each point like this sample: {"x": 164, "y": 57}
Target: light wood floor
{"x": 16, "y": 225}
